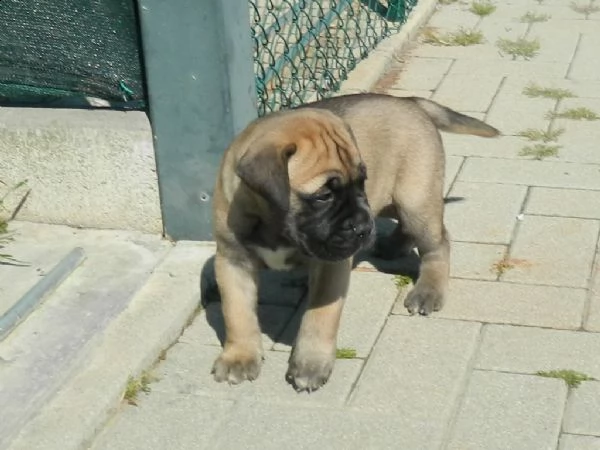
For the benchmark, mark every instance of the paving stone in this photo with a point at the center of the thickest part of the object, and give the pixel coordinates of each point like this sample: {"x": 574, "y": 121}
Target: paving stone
{"x": 592, "y": 322}
{"x": 553, "y": 250}
{"x": 467, "y": 92}
{"x": 586, "y": 64}
{"x": 453, "y": 165}
{"x": 564, "y": 203}
{"x": 529, "y": 350}
{"x": 580, "y": 137}
{"x": 423, "y": 362}
{"x": 582, "y": 415}
{"x": 516, "y": 70}
{"x": 494, "y": 27}
{"x": 164, "y": 421}
{"x": 488, "y": 213}
{"x": 423, "y": 74}
{"x": 186, "y": 371}
{"x": 208, "y": 327}
{"x": 499, "y": 147}
{"x": 452, "y": 17}
{"x": 575, "y": 442}
{"x": 409, "y": 93}
{"x": 502, "y": 411}
{"x": 556, "y": 44}
{"x": 475, "y": 261}
{"x": 531, "y": 173}
{"x": 497, "y": 302}
{"x": 486, "y": 51}
{"x": 253, "y": 426}
{"x": 515, "y": 84}
{"x": 531, "y": 112}
{"x": 370, "y": 298}
{"x": 187, "y": 257}
{"x": 555, "y": 8}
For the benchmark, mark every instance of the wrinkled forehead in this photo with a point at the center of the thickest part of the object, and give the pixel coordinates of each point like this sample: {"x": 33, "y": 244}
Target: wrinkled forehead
{"x": 325, "y": 148}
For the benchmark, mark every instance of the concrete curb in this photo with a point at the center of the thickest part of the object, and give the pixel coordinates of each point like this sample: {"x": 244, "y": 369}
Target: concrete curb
{"x": 370, "y": 70}
{"x": 131, "y": 344}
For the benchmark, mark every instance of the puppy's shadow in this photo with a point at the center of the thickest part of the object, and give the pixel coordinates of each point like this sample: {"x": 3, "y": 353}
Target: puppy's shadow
{"x": 368, "y": 260}
{"x": 279, "y": 297}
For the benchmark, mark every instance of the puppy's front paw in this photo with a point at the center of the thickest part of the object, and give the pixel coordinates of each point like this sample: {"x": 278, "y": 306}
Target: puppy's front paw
{"x": 423, "y": 300}
{"x": 309, "y": 370}
{"x": 235, "y": 365}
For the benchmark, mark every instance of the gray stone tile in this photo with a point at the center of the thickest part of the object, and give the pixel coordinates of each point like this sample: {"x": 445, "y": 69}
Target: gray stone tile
{"x": 422, "y": 74}
{"x": 496, "y": 302}
{"x": 208, "y": 328}
{"x": 495, "y": 27}
{"x": 453, "y": 16}
{"x": 575, "y": 442}
{"x": 586, "y": 64}
{"x": 529, "y": 350}
{"x": 467, "y": 92}
{"x": 531, "y": 112}
{"x": 488, "y": 213}
{"x": 453, "y": 165}
{"x": 592, "y": 322}
{"x": 409, "y": 93}
{"x": 164, "y": 421}
{"x": 417, "y": 370}
{"x": 475, "y": 261}
{"x": 512, "y": 71}
{"x": 584, "y": 89}
{"x": 254, "y": 426}
{"x": 564, "y": 203}
{"x": 486, "y": 51}
{"x": 186, "y": 371}
{"x": 502, "y": 411}
{"x": 370, "y": 298}
{"x": 582, "y": 415}
{"x": 553, "y": 250}
{"x": 500, "y": 147}
{"x": 556, "y": 44}
{"x": 532, "y": 173}
{"x": 580, "y": 136}
{"x": 187, "y": 257}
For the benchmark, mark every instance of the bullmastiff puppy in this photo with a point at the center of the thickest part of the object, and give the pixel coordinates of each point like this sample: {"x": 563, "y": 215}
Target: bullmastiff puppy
{"x": 302, "y": 186}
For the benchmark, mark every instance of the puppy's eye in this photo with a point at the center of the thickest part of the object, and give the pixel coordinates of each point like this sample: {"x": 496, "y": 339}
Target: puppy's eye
{"x": 323, "y": 197}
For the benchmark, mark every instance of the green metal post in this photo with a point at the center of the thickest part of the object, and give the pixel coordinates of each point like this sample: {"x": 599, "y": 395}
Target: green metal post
{"x": 201, "y": 92}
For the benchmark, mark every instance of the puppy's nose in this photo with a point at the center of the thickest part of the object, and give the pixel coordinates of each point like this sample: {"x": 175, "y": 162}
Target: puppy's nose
{"x": 363, "y": 230}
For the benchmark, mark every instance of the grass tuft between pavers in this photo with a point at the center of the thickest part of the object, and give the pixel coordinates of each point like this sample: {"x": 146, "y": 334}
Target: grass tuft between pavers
{"x": 535, "y": 91}
{"x": 540, "y": 151}
{"x": 585, "y": 8}
{"x": 461, "y": 38}
{"x": 136, "y": 385}
{"x": 533, "y": 17}
{"x": 482, "y": 8}
{"x": 345, "y": 353}
{"x": 520, "y": 47}
{"x": 571, "y": 377}
{"x": 581, "y": 113}
{"x": 402, "y": 280}
{"x": 532, "y": 134}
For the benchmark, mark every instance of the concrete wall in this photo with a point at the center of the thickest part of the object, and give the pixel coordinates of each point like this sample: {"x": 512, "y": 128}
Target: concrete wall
{"x": 89, "y": 168}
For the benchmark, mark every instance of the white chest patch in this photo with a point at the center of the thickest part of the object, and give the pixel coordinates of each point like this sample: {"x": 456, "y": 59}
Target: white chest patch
{"x": 276, "y": 259}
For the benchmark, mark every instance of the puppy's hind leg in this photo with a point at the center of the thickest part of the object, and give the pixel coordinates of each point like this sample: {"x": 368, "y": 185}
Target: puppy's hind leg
{"x": 426, "y": 226}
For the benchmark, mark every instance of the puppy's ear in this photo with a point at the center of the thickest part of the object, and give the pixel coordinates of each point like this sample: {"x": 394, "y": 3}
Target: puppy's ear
{"x": 265, "y": 170}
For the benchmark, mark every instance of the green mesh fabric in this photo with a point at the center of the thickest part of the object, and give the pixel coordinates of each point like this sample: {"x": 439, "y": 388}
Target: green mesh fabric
{"x": 53, "y": 49}
{"x": 304, "y": 49}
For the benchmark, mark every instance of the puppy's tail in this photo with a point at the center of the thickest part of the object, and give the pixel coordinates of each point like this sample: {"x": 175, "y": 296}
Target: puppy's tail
{"x": 454, "y": 122}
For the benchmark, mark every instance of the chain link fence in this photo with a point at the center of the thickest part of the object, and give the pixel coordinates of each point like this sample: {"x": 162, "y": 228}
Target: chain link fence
{"x": 304, "y": 49}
